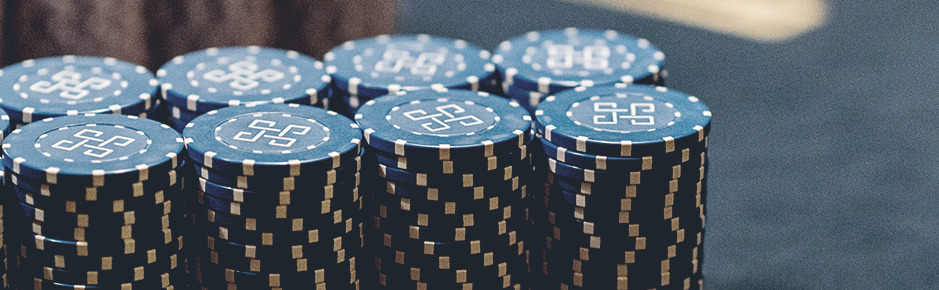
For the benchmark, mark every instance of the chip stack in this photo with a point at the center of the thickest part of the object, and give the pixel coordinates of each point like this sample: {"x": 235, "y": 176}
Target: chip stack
{"x": 450, "y": 210}
{"x": 541, "y": 63}
{"x": 36, "y": 89}
{"x": 94, "y": 203}
{"x": 371, "y": 67}
{"x": 279, "y": 201}
{"x": 624, "y": 196}
{"x": 215, "y": 78}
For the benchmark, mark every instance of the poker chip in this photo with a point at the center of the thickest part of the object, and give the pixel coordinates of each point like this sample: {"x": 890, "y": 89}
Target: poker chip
{"x": 41, "y": 88}
{"x": 623, "y": 200}
{"x": 655, "y": 121}
{"x": 367, "y": 68}
{"x": 452, "y": 204}
{"x": 285, "y": 140}
{"x": 95, "y": 201}
{"x": 277, "y": 198}
{"x": 444, "y": 125}
{"x": 555, "y": 60}
{"x": 219, "y": 77}
{"x": 111, "y": 149}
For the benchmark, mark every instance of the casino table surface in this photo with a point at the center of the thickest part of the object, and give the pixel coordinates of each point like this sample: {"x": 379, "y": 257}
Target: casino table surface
{"x": 824, "y": 149}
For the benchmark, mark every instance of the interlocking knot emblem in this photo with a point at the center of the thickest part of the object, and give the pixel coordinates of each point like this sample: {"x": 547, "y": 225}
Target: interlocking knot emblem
{"x": 94, "y": 143}
{"x": 70, "y": 84}
{"x": 612, "y": 113}
{"x": 443, "y": 118}
{"x": 397, "y": 60}
{"x": 244, "y": 75}
{"x": 592, "y": 57}
{"x": 267, "y": 129}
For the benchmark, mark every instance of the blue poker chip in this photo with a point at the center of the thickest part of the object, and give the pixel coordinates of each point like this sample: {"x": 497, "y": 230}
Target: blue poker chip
{"x": 555, "y": 60}
{"x": 40, "y": 88}
{"x": 384, "y": 64}
{"x": 623, "y": 120}
{"x": 446, "y": 125}
{"x": 278, "y": 139}
{"x": 215, "y": 78}
{"x": 92, "y": 150}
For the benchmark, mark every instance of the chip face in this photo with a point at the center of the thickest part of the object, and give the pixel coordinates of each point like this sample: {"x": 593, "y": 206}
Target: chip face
{"x": 273, "y": 138}
{"x": 623, "y": 120}
{"x": 68, "y": 85}
{"x": 385, "y": 64}
{"x": 554, "y": 60}
{"x": 92, "y": 150}
{"x": 215, "y": 78}
{"x": 444, "y": 124}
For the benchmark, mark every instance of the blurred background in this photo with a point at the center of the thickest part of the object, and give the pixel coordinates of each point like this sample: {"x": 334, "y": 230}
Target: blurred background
{"x": 824, "y": 144}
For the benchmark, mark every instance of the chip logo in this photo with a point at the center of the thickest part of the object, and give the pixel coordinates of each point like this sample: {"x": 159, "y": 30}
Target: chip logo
{"x": 615, "y": 113}
{"x": 92, "y": 143}
{"x": 70, "y": 84}
{"x": 425, "y": 64}
{"x": 443, "y": 118}
{"x": 243, "y": 75}
{"x": 590, "y": 57}
{"x": 623, "y": 113}
{"x": 271, "y": 133}
{"x": 277, "y": 137}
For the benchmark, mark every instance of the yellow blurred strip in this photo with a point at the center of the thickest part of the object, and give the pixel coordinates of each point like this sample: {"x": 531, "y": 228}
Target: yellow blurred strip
{"x": 762, "y": 20}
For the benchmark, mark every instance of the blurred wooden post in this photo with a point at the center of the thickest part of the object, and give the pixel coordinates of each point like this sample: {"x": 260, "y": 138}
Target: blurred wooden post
{"x": 151, "y": 32}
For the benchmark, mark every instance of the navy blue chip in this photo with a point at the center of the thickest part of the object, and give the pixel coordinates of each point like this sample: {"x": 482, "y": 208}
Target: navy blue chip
{"x": 92, "y": 150}
{"x": 215, "y": 78}
{"x": 384, "y": 64}
{"x": 555, "y": 60}
{"x": 40, "y": 88}
{"x": 445, "y": 125}
{"x": 278, "y": 139}
{"x": 623, "y": 120}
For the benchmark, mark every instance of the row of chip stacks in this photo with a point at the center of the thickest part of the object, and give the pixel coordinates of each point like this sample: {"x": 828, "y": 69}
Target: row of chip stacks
{"x": 278, "y": 203}
{"x": 450, "y": 203}
{"x": 623, "y": 160}
{"x": 582, "y": 74}
{"x": 94, "y": 202}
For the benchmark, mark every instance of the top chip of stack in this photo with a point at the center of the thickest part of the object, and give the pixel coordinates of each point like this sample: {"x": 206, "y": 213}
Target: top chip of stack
{"x": 40, "y": 88}
{"x": 446, "y": 125}
{"x": 284, "y": 140}
{"x": 627, "y": 165}
{"x": 214, "y": 78}
{"x": 367, "y": 68}
{"x": 109, "y": 149}
{"x": 541, "y": 63}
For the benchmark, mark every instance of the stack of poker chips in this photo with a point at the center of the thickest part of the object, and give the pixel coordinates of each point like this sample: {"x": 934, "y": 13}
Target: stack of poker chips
{"x": 624, "y": 197}
{"x": 36, "y": 89}
{"x": 450, "y": 209}
{"x": 215, "y": 78}
{"x": 367, "y": 68}
{"x": 541, "y": 63}
{"x": 279, "y": 202}
{"x": 95, "y": 204}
